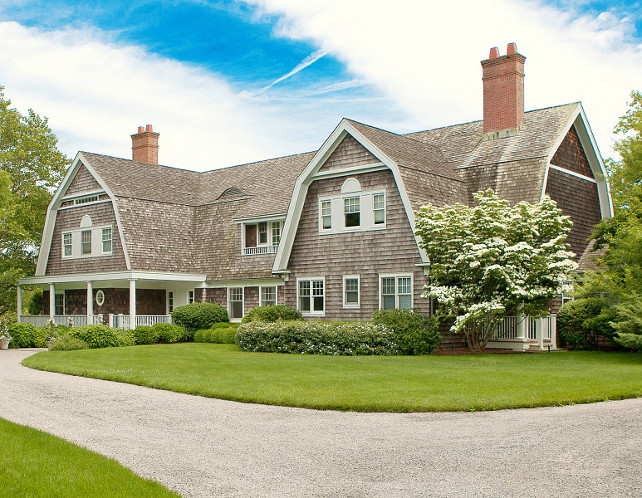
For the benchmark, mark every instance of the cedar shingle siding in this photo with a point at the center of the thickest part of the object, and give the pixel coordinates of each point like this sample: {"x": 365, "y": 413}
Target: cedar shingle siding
{"x": 349, "y": 153}
{"x": 571, "y": 156}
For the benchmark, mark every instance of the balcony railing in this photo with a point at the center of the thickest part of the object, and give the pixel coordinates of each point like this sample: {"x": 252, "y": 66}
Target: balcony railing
{"x": 251, "y": 251}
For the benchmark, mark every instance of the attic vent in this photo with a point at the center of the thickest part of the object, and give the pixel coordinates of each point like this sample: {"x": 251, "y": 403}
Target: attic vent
{"x": 232, "y": 192}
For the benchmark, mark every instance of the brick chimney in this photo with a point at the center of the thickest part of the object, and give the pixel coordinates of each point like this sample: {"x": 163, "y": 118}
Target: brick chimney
{"x": 145, "y": 145}
{"x": 503, "y": 80}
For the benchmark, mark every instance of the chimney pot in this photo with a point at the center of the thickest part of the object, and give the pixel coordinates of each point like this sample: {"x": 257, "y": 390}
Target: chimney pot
{"x": 494, "y": 53}
{"x": 511, "y": 49}
{"x": 145, "y": 145}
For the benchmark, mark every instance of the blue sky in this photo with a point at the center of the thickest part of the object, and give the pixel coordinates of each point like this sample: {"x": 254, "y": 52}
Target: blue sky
{"x": 227, "y": 82}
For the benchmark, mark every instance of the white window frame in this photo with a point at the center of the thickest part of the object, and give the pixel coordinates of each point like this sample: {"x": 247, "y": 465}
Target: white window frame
{"x": 351, "y": 205}
{"x": 61, "y": 294}
{"x": 100, "y": 297}
{"x": 276, "y": 293}
{"x": 396, "y": 276}
{"x": 376, "y": 209}
{"x": 111, "y": 240}
{"x": 69, "y": 244}
{"x": 86, "y": 199}
{"x": 346, "y": 304}
{"x": 96, "y": 244}
{"x": 325, "y": 213}
{"x": 274, "y": 229}
{"x": 83, "y": 242}
{"x": 338, "y": 214}
{"x": 229, "y": 303}
{"x": 312, "y": 312}
{"x": 170, "y": 302}
{"x": 190, "y": 296}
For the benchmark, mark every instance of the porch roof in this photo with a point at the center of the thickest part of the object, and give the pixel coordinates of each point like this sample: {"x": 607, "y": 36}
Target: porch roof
{"x": 117, "y": 275}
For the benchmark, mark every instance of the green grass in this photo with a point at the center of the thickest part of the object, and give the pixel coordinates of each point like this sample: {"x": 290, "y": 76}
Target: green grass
{"x": 35, "y": 463}
{"x": 363, "y": 383}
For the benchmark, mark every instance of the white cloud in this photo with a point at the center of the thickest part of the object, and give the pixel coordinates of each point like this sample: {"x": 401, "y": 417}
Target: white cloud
{"x": 96, "y": 93}
{"x": 425, "y": 55}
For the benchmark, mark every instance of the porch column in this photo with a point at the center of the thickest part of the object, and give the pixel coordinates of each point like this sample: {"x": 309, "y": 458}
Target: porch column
{"x": 90, "y": 303}
{"x": 52, "y": 300}
{"x": 132, "y": 304}
{"x": 540, "y": 332}
{"x": 19, "y": 301}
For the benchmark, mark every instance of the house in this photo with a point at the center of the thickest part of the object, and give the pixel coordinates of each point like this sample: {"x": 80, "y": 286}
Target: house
{"x": 329, "y": 232}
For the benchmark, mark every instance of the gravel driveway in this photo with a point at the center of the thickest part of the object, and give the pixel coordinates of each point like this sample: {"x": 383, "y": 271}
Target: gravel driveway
{"x": 207, "y": 447}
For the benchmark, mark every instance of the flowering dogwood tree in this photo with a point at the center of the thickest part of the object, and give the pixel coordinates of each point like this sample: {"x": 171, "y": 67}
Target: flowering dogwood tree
{"x": 491, "y": 260}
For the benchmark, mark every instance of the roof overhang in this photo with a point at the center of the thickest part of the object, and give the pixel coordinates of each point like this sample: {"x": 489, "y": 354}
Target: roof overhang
{"x": 112, "y": 276}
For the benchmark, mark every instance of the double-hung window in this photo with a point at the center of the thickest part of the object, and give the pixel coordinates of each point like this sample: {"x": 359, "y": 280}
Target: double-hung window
{"x": 67, "y": 244}
{"x": 107, "y": 240}
{"x": 59, "y": 304}
{"x": 236, "y": 303}
{"x": 396, "y": 292}
{"x": 379, "y": 208}
{"x": 351, "y": 291}
{"x": 276, "y": 233}
{"x": 352, "y": 211}
{"x": 311, "y": 296}
{"x": 85, "y": 242}
{"x": 170, "y": 301}
{"x": 268, "y": 295}
{"x": 326, "y": 215}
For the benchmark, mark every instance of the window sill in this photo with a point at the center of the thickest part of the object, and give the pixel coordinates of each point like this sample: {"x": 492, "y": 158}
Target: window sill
{"x": 352, "y": 230}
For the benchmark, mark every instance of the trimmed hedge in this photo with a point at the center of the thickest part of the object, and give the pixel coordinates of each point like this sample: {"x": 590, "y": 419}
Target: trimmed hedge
{"x": 327, "y": 338}
{"x": 101, "y": 336}
{"x": 217, "y": 334}
{"x": 26, "y": 335}
{"x": 272, "y": 313}
{"x": 68, "y": 343}
{"x": 145, "y": 334}
{"x": 195, "y": 316}
{"x": 168, "y": 333}
{"x": 415, "y": 333}
{"x": 586, "y": 323}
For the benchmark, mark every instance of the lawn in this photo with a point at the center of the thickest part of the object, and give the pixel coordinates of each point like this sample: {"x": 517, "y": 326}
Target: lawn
{"x": 363, "y": 383}
{"x": 34, "y": 463}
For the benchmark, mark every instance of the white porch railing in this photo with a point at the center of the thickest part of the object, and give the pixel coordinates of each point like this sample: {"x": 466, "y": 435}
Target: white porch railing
{"x": 249, "y": 251}
{"x": 123, "y": 321}
{"x": 76, "y": 320}
{"x": 540, "y": 330}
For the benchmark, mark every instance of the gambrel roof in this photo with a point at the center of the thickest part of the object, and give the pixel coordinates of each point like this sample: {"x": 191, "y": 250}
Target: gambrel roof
{"x": 175, "y": 220}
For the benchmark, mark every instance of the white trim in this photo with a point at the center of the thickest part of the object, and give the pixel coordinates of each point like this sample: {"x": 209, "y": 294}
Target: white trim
{"x": 229, "y": 303}
{"x": 276, "y": 293}
{"x": 54, "y": 205}
{"x": 224, "y": 284}
{"x": 572, "y": 173}
{"x": 100, "y": 296}
{"x": 311, "y": 313}
{"x": 96, "y": 242}
{"x": 336, "y": 173}
{"x": 396, "y": 276}
{"x": 86, "y": 193}
{"x": 337, "y": 212}
{"x": 256, "y": 219}
{"x": 100, "y": 201}
{"x": 308, "y": 175}
{"x": 117, "y": 275}
{"x": 346, "y": 305}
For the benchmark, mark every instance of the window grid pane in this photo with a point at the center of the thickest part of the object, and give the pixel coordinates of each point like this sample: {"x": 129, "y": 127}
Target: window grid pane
{"x": 404, "y": 285}
{"x": 351, "y": 205}
{"x": 326, "y": 213}
{"x": 107, "y": 239}
{"x": 351, "y": 291}
{"x": 67, "y": 244}
{"x": 263, "y": 232}
{"x": 276, "y": 233}
{"x": 85, "y": 238}
{"x": 268, "y": 295}
{"x": 379, "y": 209}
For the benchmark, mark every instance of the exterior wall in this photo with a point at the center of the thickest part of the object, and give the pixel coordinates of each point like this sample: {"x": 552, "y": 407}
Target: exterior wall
{"x": 69, "y": 219}
{"x": 578, "y": 199}
{"x": 148, "y": 301}
{"x": 218, "y": 296}
{"x": 83, "y": 182}
{"x": 250, "y": 298}
{"x": 570, "y": 155}
{"x": 348, "y": 153}
{"x": 368, "y": 254}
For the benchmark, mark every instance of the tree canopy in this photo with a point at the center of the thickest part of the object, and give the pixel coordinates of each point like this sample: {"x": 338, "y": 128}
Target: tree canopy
{"x": 619, "y": 278}
{"x": 31, "y": 167}
{"x": 489, "y": 260}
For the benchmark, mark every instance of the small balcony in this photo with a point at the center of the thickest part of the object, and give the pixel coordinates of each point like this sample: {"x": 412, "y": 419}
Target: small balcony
{"x": 252, "y": 251}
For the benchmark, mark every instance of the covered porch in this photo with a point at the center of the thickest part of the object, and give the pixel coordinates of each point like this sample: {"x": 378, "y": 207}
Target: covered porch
{"x": 524, "y": 333}
{"x": 118, "y": 299}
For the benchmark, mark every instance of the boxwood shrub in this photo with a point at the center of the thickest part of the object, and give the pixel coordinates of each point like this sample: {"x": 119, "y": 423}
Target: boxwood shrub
{"x": 272, "y": 313}
{"x": 415, "y": 333}
{"x": 195, "y": 316}
{"x": 68, "y": 343}
{"x": 168, "y": 332}
{"x": 101, "y": 336}
{"x": 217, "y": 334}
{"x": 328, "y": 338}
{"x": 145, "y": 334}
{"x": 26, "y": 335}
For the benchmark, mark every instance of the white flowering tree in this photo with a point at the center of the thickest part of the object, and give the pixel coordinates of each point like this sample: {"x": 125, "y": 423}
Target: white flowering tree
{"x": 491, "y": 260}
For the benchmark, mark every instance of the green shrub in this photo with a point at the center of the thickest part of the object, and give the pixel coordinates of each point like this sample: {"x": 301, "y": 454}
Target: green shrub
{"x": 272, "y": 313}
{"x": 125, "y": 338}
{"x": 628, "y": 323}
{"x": 225, "y": 325}
{"x": 217, "y": 335}
{"x": 68, "y": 342}
{"x": 26, "y": 335}
{"x": 101, "y": 336}
{"x": 586, "y": 323}
{"x": 188, "y": 335}
{"x": 414, "y": 332}
{"x": 329, "y": 338}
{"x": 35, "y": 305}
{"x": 196, "y": 316}
{"x": 145, "y": 334}
{"x": 168, "y": 332}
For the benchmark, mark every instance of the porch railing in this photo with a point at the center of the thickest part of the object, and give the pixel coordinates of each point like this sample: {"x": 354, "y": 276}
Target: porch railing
{"x": 123, "y": 321}
{"x": 76, "y": 320}
{"x": 250, "y": 251}
{"x": 535, "y": 329}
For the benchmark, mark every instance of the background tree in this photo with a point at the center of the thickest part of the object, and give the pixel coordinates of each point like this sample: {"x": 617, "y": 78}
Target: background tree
{"x": 490, "y": 260}
{"x": 31, "y": 166}
{"x": 619, "y": 279}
